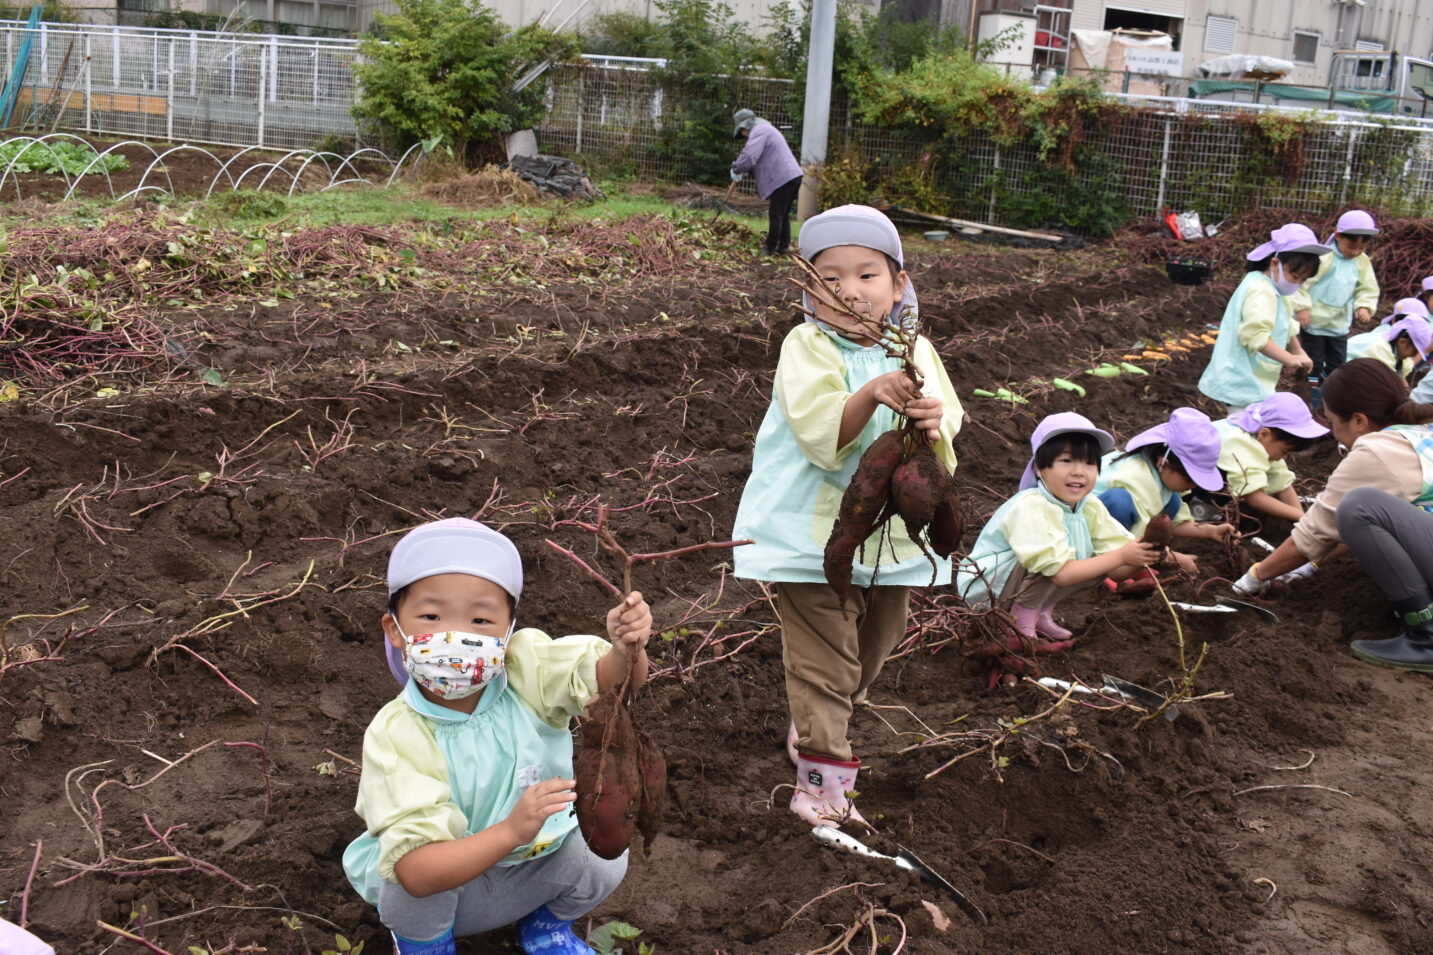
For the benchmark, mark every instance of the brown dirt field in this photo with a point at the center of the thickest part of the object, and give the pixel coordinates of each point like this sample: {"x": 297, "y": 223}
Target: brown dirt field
{"x": 164, "y": 507}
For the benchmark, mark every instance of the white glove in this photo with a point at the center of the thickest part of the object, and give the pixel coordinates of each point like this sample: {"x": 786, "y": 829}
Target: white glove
{"x": 737, "y": 176}
{"x": 1298, "y": 573}
{"x": 1250, "y": 585}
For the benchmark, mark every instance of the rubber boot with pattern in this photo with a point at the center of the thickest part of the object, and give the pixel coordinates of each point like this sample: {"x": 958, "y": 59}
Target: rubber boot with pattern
{"x": 823, "y": 788}
{"x": 442, "y": 945}
{"x": 542, "y": 933}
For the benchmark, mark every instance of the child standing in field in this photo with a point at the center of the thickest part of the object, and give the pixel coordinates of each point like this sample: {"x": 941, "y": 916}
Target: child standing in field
{"x": 835, "y": 391}
{"x": 466, "y": 789}
{"x": 1155, "y": 469}
{"x": 1425, "y": 292}
{"x": 1257, "y": 338}
{"x": 1253, "y": 446}
{"x": 1055, "y": 537}
{"x": 1344, "y": 290}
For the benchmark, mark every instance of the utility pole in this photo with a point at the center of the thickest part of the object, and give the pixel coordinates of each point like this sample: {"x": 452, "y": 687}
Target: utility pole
{"x": 816, "y": 124}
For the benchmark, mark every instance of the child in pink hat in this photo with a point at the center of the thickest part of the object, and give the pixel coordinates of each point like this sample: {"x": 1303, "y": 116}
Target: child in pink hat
{"x": 1253, "y": 446}
{"x": 1343, "y": 291}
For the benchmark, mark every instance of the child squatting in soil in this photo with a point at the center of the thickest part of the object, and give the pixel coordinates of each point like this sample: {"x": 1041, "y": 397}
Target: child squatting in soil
{"x": 1257, "y": 338}
{"x": 467, "y": 785}
{"x": 835, "y": 391}
{"x": 1054, "y": 538}
{"x": 1400, "y": 346}
{"x": 1343, "y": 290}
{"x": 1156, "y": 469}
{"x": 1253, "y": 446}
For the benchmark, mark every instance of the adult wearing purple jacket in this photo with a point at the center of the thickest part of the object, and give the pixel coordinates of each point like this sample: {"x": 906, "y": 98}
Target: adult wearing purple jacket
{"x": 778, "y": 175}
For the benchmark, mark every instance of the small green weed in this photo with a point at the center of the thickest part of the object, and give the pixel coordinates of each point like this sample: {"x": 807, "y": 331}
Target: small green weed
{"x": 605, "y": 939}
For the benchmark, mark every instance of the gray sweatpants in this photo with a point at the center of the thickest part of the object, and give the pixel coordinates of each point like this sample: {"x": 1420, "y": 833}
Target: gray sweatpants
{"x": 571, "y": 882}
{"x": 1392, "y": 539}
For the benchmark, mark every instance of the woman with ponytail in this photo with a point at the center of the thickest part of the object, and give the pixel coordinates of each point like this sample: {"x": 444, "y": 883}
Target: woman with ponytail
{"x": 1378, "y": 505}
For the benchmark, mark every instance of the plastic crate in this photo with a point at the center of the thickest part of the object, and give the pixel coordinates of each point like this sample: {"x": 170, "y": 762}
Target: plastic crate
{"x": 1185, "y": 271}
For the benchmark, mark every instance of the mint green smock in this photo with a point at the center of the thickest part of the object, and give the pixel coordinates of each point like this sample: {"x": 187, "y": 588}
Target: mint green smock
{"x": 798, "y": 474}
{"x": 1339, "y": 288}
{"x": 1041, "y": 533}
{"x": 1238, "y": 374}
{"x": 432, "y": 774}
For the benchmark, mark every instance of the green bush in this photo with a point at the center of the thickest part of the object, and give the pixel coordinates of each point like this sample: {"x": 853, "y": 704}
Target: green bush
{"x": 447, "y": 70}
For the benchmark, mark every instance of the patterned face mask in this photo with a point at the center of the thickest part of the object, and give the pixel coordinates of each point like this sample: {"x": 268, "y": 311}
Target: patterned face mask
{"x": 453, "y": 664}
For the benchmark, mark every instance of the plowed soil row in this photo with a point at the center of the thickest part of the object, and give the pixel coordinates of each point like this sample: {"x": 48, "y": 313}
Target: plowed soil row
{"x": 255, "y": 520}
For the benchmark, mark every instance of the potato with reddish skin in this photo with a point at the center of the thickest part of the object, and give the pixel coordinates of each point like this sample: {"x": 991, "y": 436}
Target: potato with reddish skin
{"x": 654, "y": 790}
{"x": 608, "y": 774}
{"x": 1159, "y": 531}
{"x": 947, "y": 527}
{"x": 917, "y": 488}
{"x": 863, "y": 509}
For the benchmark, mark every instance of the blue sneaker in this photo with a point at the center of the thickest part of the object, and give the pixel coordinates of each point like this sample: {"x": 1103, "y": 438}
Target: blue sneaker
{"x": 442, "y": 945}
{"x": 543, "y": 932}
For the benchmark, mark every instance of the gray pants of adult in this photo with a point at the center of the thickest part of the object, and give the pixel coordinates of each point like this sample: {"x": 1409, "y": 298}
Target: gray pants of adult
{"x": 1392, "y": 539}
{"x": 571, "y": 882}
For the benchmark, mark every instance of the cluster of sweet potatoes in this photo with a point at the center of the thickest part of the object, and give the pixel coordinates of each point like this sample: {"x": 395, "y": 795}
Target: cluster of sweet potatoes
{"x": 621, "y": 778}
{"x": 898, "y": 474}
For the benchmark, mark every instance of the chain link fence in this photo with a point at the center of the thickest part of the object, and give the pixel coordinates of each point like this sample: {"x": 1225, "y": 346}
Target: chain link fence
{"x": 1164, "y": 152}
{"x": 229, "y": 89}
{"x": 623, "y": 116}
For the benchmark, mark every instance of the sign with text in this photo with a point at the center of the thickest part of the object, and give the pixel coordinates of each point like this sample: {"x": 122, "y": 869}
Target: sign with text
{"x": 1161, "y": 62}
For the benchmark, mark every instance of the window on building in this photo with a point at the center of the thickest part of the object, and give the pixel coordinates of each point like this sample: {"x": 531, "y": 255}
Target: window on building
{"x": 1052, "y": 38}
{"x": 1118, "y": 19}
{"x": 1219, "y": 34}
{"x": 1306, "y": 47}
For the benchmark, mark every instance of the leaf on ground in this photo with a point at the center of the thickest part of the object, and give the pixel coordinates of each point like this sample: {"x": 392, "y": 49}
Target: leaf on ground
{"x": 1254, "y": 825}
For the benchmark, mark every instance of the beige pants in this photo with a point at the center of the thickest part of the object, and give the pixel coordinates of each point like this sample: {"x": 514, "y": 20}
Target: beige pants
{"x": 832, "y": 658}
{"x": 1034, "y": 590}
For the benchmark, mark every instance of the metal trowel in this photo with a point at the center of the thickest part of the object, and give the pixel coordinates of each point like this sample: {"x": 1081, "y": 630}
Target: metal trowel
{"x": 836, "y": 839}
{"x": 1228, "y": 605}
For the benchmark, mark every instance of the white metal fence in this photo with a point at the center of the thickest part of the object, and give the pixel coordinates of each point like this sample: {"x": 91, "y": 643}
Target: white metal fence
{"x": 290, "y": 92}
{"x": 232, "y": 89}
{"x": 1167, "y": 152}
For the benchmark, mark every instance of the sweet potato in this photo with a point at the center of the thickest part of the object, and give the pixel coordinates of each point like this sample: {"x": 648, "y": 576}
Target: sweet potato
{"x": 1159, "y": 531}
{"x": 918, "y": 487}
{"x": 946, "y": 528}
{"x": 863, "y": 509}
{"x": 654, "y": 790}
{"x": 609, "y": 776}
{"x": 870, "y": 485}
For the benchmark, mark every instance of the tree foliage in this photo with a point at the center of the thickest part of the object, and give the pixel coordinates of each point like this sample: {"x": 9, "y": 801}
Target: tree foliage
{"x": 446, "y": 68}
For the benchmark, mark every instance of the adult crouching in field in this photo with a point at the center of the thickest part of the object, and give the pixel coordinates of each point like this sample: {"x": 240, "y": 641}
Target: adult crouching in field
{"x": 778, "y": 175}
{"x": 1378, "y": 505}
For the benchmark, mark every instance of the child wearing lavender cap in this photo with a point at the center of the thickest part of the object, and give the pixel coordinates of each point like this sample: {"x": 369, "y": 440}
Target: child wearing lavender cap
{"x": 1257, "y": 336}
{"x": 1253, "y": 446}
{"x": 1343, "y": 291}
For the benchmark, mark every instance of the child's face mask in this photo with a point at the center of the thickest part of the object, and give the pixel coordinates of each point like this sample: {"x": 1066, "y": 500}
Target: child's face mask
{"x": 1283, "y": 283}
{"x": 453, "y": 664}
